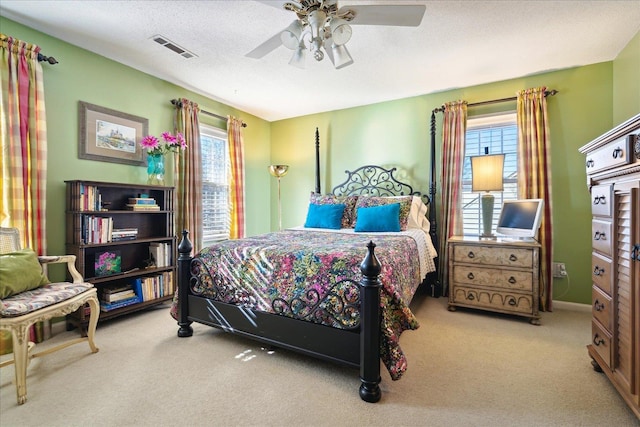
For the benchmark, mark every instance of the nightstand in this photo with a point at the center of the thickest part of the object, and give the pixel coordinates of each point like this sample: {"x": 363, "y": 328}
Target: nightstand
{"x": 500, "y": 275}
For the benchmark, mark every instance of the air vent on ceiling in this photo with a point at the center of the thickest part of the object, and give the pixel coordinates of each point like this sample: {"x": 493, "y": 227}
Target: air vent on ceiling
{"x": 172, "y": 46}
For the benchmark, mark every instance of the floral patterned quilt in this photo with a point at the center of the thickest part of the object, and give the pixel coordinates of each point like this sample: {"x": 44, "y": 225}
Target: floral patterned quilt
{"x": 301, "y": 273}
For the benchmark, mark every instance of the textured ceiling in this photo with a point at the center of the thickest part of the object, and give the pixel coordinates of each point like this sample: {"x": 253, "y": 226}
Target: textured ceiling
{"x": 458, "y": 44}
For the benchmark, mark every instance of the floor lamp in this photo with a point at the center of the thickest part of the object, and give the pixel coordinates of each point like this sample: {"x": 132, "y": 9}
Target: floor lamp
{"x": 279, "y": 171}
{"x": 486, "y": 175}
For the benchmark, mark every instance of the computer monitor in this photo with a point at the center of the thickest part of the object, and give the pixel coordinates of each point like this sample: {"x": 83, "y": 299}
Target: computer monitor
{"x": 520, "y": 218}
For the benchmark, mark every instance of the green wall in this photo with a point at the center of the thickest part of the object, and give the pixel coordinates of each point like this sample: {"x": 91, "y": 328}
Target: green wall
{"x": 626, "y": 81}
{"x": 84, "y": 76}
{"x": 591, "y": 100}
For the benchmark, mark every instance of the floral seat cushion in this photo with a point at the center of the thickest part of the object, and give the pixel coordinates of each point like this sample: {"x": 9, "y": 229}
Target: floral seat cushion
{"x": 44, "y": 296}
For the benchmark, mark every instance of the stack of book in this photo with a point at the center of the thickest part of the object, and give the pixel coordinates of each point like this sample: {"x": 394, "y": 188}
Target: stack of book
{"x": 117, "y": 296}
{"x": 142, "y": 204}
{"x": 118, "y": 234}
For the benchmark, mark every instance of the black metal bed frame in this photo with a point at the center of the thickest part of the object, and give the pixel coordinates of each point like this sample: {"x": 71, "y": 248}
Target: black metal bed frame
{"x": 356, "y": 345}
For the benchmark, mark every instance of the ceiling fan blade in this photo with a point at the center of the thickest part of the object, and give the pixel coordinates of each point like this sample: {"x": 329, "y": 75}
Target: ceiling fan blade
{"x": 267, "y": 47}
{"x": 398, "y": 15}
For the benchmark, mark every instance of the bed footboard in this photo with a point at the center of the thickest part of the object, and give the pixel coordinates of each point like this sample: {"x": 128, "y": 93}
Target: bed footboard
{"x": 355, "y": 348}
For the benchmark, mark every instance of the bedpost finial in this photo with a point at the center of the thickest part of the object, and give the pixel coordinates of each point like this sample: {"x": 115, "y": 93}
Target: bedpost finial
{"x": 185, "y": 246}
{"x": 370, "y": 266}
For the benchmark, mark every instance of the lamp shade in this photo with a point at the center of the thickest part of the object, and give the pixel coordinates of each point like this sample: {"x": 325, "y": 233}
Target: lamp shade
{"x": 486, "y": 172}
{"x": 278, "y": 170}
{"x": 290, "y": 37}
{"x": 340, "y": 31}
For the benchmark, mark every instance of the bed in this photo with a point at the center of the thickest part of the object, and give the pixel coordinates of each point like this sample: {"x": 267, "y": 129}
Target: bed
{"x": 337, "y": 288}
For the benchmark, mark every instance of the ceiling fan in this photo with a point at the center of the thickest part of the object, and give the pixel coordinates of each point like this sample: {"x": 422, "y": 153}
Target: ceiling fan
{"x": 321, "y": 27}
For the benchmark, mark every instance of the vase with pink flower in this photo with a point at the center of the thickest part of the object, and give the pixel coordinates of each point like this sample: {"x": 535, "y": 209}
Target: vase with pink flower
{"x": 156, "y": 151}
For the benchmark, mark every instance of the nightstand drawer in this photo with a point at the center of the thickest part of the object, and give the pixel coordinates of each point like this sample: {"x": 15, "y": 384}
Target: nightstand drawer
{"x": 602, "y": 272}
{"x": 601, "y": 342}
{"x": 601, "y": 305}
{"x": 503, "y": 279}
{"x": 499, "y": 256}
{"x": 602, "y": 236}
{"x": 499, "y": 301}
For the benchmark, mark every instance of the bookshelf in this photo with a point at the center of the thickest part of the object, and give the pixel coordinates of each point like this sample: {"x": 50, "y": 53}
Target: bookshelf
{"x": 123, "y": 237}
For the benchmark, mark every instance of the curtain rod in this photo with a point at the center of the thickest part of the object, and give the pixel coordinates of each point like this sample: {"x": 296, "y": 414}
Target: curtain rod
{"x": 208, "y": 113}
{"x": 50, "y": 59}
{"x": 496, "y": 101}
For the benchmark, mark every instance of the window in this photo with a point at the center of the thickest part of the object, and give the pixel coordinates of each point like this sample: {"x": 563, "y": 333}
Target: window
{"x": 500, "y": 134}
{"x": 215, "y": 185}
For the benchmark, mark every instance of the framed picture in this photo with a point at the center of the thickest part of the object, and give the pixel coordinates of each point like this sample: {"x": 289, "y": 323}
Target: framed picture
{"x": 110, "y": 136}
{"x": 107, "y": 263}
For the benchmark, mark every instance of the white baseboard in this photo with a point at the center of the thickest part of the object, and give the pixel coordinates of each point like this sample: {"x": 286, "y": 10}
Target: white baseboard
{"x": 573, "y": 306}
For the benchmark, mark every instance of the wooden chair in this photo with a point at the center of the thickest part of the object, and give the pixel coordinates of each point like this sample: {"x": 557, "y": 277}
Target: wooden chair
{"x": 18, "y": 312}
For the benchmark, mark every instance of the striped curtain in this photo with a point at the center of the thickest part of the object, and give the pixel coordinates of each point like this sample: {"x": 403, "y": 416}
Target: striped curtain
{"x": 188, "y": 174}
{"x": 236, "y": 197}
{"x": 454, "y": 128}
{"x": 24, "y": 143}
{"x": 534, "y": 165}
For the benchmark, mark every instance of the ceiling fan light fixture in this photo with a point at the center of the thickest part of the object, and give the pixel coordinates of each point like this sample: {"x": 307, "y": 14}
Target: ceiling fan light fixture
{"x": 340, "y": 31}
{"x": 341, "y": 56}
{"x": 299, "y": 56}
{"x": 290, "y": 37}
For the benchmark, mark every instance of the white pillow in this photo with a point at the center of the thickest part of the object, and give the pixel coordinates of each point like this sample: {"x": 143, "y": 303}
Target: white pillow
{"x": 418, "y": 214}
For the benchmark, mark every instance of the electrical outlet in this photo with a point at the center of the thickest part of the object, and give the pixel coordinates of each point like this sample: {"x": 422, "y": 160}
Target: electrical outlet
{"x": 559, "y": 270}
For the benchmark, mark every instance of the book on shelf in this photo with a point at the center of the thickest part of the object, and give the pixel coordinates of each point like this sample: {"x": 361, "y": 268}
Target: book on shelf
{"x": 104, "y": 306}
{"x": 118, "y": 234}
{"x": 160, "y": 253}
{"x": 132, "y": 207}
{"x": 142, "y": 201}
{"x": 118, "y": 296}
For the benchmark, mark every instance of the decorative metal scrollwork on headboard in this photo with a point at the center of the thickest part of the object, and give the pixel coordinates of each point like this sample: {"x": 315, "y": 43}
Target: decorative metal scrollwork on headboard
{"x": 374, "y": 181}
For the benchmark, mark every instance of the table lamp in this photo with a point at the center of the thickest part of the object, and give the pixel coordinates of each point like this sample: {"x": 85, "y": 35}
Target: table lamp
{"x": 279, "y": 171}
{"x": 486, "y": 175}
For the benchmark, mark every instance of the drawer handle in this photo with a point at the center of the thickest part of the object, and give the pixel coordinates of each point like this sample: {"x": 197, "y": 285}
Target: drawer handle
{"x": 470, "y": 297}
{"x": 600, "y": 200}
{"x": 470, "y": 276}
{"x": 590, "y": 163}
{"x": 597, "y": 340}
{"x": 512, "y": 301}
{"x": 599, "y": 236}
{"x": 512, "y": 280}
{"x": 617, "y": 153}
{"x": 597, "y": 271}
{"x": 513, "y": 258}
{"x": 471, "y": 254}
{"x": 598, "y": 306}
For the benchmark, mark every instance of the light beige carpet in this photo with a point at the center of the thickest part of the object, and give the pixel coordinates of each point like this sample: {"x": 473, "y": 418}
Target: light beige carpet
{"x": 466, "y": 368}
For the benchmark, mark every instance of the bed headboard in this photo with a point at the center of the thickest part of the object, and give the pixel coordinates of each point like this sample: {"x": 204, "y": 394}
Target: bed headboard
{"x": 373, "y": 181}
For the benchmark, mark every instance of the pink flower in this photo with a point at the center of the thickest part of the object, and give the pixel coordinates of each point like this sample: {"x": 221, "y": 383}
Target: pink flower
{"x": 150, "y": 142}
{"x": 169, "y": 143}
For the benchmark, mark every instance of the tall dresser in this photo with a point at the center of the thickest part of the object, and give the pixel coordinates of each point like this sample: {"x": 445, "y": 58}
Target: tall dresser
{"x": 613, "y": 178}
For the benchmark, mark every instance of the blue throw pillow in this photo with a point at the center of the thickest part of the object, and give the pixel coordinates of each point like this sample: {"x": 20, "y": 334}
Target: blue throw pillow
{"x": 325, "y": 216}
{"x": 379, "y": 218}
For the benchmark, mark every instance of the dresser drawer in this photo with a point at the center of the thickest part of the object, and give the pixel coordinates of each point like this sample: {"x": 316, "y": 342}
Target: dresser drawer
{"x": 602, "y": 200}
{"x": 601, "y": 308}
{"x": 503, "y": 279}
{"x": 601, "y": 342}
{"x": 602, "y": 236}
{"x": 499, "y": 256}
{"x": 602, "y": 272}
{"x": 499, "y": 301}
{"x": 615, "y": 153}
